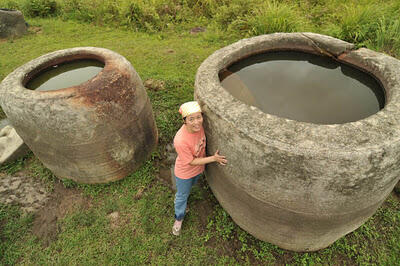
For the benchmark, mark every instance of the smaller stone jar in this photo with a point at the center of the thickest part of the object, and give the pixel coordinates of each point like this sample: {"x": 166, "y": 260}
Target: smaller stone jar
{"x": 12, "y": 23}
{"x": 95, "y": 132}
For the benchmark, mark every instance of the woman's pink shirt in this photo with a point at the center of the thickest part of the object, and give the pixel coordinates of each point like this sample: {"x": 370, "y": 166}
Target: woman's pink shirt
{"x": 189, "y": 146}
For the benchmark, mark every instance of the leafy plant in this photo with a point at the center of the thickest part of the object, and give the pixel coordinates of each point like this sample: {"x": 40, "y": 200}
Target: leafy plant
{"x": 41, "y": 8}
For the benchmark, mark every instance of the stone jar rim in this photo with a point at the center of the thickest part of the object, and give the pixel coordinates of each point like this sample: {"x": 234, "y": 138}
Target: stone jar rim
{"x": 373, "y": 132}
{"x": 9, "y": 10}
{"x": 15, "y": 82}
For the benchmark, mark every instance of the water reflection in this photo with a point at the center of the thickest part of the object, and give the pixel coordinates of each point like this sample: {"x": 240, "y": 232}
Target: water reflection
{"x": 65, "y": 75}
{"x": 304, "y": 87}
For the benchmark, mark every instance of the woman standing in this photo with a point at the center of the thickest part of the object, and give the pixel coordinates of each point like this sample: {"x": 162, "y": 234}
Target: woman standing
{"x": 190, "y": 144}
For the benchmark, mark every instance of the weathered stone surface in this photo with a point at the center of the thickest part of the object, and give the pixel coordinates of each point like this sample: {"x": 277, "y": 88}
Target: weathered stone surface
{"x": 12, "y": 146}
{"x": 95, "y": 132}
{"x": 15, "y": 185}
{"x": 4, "y": 123}
{"x": 299, "y": 185}
{"x": 12, "y": 23}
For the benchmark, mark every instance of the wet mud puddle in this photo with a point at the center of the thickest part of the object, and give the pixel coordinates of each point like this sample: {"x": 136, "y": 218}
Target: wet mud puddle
{"x": 304, "y": 87}
{"x": 65, "y": 75}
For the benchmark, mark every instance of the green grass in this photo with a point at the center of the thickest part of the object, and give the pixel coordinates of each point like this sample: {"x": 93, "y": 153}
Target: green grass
{"x": 15, "y": 166}
{"x": 13, "y": 228}
{"x": 172, "y": 55}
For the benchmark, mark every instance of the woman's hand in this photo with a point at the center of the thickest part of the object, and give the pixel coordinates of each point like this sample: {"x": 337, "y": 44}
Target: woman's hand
{"x": 220, "y": 158}
{"x": 210, "y": 159}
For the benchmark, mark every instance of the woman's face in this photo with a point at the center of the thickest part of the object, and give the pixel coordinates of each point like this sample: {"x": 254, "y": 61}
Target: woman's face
{"x": 194, "y": 122}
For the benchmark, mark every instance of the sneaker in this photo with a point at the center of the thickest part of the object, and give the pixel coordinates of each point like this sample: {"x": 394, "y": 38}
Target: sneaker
{"x": 176, "y": 229}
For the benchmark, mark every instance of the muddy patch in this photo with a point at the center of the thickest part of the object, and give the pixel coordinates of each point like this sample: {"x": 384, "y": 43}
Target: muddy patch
{"x": 204, "y": 208}
{"x": 22, "y": 190}
{"x": 164, "y": 175}
{"x": 35, "y": 30}
{"x": 165, "y": 166}
{"x": 61, "y": 202}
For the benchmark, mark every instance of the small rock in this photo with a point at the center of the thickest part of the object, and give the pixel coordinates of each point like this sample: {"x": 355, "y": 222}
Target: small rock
{"x": 3, "y": 189}
{"x": 197, "y": 30}
{"x": 139, "y": 193}
{"x": 155, "y": 85}
{"x": 114, "y": 215}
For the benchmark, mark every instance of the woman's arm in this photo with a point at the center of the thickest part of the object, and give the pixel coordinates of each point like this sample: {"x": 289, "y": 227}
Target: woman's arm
{"x": 210, "y": 159}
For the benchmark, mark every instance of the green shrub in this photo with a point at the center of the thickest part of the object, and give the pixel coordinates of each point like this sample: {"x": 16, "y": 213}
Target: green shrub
{"x": 40, "y": 8}
{"x": 205, "y": 8}
{"x": 140, "y": 16}
{"x": 81, "y": 10}
{"x": 269, "y": 17}
{"x": 227, "y": 13}
{"x": 11, "y": 5}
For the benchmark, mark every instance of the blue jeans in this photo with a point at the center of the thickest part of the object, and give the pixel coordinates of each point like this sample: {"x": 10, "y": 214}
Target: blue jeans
{"x": 183, "y": 187}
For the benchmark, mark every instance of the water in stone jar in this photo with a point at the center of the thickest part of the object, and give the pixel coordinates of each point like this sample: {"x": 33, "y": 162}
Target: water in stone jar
{"x": 65, "y": 75}
{"x": 304, "y": 87}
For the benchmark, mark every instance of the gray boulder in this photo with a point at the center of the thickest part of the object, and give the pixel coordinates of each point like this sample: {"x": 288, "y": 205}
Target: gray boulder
{"x": 12, "y": 146}
{"x": 12, "y": 23}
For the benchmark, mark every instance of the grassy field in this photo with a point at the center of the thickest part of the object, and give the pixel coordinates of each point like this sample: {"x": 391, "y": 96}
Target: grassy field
{"x": 87, "y": 234}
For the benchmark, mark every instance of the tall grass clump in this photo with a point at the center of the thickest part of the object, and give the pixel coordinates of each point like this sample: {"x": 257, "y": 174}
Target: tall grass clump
{"x": 355, "y": 23}
{"x": 270, "y": 17}
{"x": 387, "y": 36}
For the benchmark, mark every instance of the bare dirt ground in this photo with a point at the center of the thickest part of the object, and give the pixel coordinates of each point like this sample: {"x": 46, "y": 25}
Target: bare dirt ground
{"x": 61, "y": 201}
{"x": 48, "y": 207}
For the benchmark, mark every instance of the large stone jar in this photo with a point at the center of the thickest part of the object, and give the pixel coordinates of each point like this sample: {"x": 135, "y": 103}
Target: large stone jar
{"x": 300, "y": 185}
{"x": 95, "y": 132}
{"x": 12, "y": 23}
